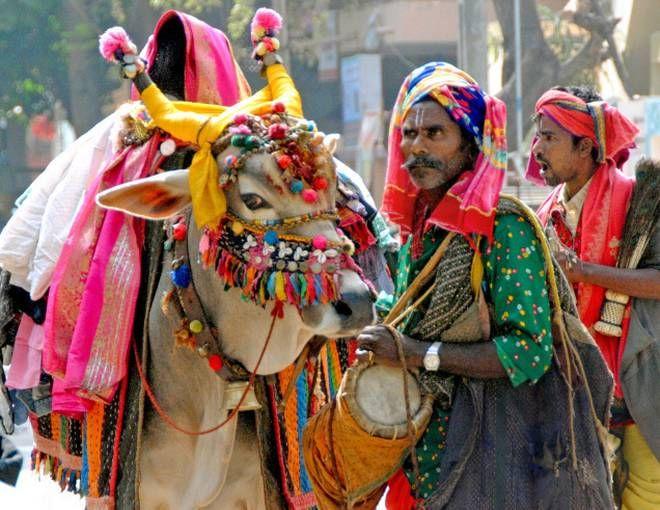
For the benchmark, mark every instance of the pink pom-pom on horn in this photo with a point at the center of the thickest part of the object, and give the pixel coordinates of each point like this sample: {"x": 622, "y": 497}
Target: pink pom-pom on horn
{"x": 266, "y": 22}
{"x": 114, "y": 43}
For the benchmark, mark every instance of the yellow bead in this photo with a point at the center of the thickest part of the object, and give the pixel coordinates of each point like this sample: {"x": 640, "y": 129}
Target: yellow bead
{"x": 196, "y": 326}
{"x": 237, "y": 228}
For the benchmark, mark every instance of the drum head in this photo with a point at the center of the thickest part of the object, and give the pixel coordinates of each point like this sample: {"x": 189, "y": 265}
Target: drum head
{"x": 379, "y": 393}
{"x": 374, "y": 397}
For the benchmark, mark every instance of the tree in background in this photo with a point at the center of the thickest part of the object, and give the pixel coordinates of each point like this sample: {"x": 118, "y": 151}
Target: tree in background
{"x": 48, "y": 48}
{"x": 560, "y": 54}
{"x": 44, "y": 48}
{"x": 33, "y": 56}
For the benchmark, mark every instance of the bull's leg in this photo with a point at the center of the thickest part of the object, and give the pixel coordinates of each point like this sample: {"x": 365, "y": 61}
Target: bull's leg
{"x": 243, "y": 488}
{"x": 183, "y": 472}
{"x": 180, "y": 471}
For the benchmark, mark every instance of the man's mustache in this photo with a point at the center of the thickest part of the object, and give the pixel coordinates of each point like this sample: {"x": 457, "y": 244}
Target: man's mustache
{"x": 540, "y": 159}
{"x": 423, "y": 162}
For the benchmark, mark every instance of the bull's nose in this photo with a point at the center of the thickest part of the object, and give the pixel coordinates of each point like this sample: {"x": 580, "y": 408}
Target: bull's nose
{"x": 355, "y": 309}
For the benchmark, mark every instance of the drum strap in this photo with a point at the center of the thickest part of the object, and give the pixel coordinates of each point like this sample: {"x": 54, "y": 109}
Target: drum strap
{"x": 399, "y": 310}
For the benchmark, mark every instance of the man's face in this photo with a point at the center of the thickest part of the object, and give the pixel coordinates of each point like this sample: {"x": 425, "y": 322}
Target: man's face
{"x": 555, "y": 152}
{"x": 432, "y": 146}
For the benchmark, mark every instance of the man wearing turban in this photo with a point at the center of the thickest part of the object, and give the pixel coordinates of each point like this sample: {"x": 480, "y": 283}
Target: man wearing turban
{"x": 580, "y": 145}
{"x": 507, "y": 427}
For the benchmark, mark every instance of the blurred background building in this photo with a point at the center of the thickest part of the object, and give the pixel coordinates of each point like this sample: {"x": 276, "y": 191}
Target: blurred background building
{"x": 348, "y": 57}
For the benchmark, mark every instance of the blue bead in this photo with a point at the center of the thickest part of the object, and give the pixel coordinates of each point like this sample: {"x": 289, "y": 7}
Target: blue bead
{"x": 296, "y": 186}
{"x": 271, "y": 237}
{"x": 181, "y": 276}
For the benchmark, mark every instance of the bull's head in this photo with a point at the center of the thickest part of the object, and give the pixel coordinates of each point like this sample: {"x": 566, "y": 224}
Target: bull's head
{"x": 277, "y": 242}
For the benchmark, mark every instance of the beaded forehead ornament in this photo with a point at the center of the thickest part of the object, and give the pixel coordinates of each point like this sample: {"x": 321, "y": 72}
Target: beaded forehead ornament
{"x": 305, "y": 165}
{"x": 262, "y": 257}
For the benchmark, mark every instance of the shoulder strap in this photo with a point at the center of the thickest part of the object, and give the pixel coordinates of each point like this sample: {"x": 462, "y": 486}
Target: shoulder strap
{"x": 399, "y": 310}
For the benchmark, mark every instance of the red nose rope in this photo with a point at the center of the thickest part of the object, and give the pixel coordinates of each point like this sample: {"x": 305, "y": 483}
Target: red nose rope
{"x": 170, "y": 421}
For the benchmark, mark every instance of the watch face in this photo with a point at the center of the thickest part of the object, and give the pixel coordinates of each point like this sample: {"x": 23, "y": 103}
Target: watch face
{"x": 431, "y": 362}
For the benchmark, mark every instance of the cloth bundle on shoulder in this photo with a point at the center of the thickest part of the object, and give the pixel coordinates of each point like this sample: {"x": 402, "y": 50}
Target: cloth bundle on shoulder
{"x": 643, "y": 213}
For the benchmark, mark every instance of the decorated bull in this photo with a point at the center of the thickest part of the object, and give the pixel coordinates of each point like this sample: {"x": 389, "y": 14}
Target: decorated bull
{"x": 157, "y": 335}
{"x": 256, "y": 271}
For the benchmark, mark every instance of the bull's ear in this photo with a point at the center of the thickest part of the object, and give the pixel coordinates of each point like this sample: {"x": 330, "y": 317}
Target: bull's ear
{"x": 156, "y": 198}
{"x": 331, "y": 142}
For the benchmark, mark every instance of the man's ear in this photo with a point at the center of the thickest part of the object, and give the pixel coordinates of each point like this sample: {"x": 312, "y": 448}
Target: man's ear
{"x": 584, "y": 146}
{"x": 157, "y": 197}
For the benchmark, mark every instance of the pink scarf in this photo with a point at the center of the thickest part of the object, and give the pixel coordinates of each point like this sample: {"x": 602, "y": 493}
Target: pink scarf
{"x": 89, "y": 320}
{"x": 211, "y": 74}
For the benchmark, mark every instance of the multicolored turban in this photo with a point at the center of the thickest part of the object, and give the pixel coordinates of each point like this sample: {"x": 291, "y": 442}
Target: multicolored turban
{"x": 469, "y": 205}
{"x": 612, "y": 133}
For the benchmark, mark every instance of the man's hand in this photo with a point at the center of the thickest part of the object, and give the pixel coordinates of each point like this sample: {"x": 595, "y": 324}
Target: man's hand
{"x": 379, "y": 341}
{"x": 572, "y": 266}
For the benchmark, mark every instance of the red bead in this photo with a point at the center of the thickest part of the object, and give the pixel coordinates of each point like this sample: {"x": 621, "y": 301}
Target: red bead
{"x": 320, "y": 183}
{"x": 215, "y": 362}
{"x": 179, "y": 231}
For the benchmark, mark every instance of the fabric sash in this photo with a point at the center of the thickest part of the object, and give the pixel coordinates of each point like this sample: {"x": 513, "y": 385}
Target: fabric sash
{"x": 604, "y": 213}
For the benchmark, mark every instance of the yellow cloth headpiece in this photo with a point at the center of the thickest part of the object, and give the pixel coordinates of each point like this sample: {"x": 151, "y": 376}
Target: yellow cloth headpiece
{"x": 202, "y": 124}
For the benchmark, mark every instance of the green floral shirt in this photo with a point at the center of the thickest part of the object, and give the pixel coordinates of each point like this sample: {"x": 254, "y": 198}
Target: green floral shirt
{"x": 514, "y": 284}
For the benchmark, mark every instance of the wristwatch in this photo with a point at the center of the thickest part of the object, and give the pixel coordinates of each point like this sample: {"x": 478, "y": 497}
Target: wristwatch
{"x": 432, "y": 357}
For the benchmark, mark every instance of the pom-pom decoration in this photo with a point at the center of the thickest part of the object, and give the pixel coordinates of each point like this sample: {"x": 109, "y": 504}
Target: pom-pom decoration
{"x": 265, "y": 26}
{"x": 181, "y": 276}
{"x": 240, "y": 118}
{"x": 277, "y": 131}
{"x": 320, "y": 242}
{"x": 114, "y": 43}
{"x": 240, "y": 129}
{"x": 320, "y": 183}
{"x": 283, "y": 161}
{"x": 271, "y": 237}
{"x": 179, "y": 231}
{"x": 266, "y": 23}
{"x": 309, "y": 195}
{"x": 278, "y": 107}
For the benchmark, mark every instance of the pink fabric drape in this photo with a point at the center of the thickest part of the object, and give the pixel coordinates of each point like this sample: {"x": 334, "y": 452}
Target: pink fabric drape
{"x": 89, "y": 320}
{"x": 25, "y": 367}
{"x": 211, "y": 75}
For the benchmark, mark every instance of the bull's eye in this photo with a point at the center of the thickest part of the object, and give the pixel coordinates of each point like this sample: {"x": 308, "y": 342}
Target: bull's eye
{"x": 253, "y": 202}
